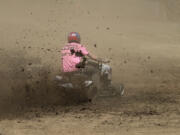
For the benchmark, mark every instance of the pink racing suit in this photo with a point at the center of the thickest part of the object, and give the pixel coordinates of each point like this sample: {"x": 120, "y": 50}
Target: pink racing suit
{"x": 69, "y": 57}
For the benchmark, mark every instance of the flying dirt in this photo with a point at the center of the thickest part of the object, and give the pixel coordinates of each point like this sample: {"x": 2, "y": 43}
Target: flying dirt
{"x": 141, "y": 39}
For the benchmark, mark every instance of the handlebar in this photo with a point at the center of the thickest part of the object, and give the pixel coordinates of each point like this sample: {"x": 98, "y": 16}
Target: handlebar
{"x": 100, "y": 61}
{"x": 86, "y": 60}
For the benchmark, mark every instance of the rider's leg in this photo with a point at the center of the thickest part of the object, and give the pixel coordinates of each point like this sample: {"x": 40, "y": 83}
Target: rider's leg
{"x": 91, "y": 69}
{"x": 93, "y": 73}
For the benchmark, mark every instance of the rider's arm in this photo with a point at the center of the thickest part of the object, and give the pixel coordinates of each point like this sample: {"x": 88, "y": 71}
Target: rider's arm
{"x": 93, "y": 57}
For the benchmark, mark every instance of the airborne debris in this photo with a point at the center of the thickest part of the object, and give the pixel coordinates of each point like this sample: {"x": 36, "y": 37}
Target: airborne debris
{"x": 17, "y": 122}
{"x": 151, "y": 71}
{"x": 107, "y": 28}
{"x": 22, "y": 69}
{"x": 29, "y": 63}
{"x": 17, "y": 42}
{"x": 84, "y": 108}
{"x": 125, "y": 62}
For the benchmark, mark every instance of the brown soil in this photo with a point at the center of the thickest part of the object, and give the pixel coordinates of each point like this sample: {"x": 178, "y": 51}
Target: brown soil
{"x": 141, "y": 37}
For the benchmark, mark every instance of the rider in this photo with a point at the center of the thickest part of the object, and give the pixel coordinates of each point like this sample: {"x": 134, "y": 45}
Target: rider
{"x": 73, "y": 54}
{"x": 73, "y": 59}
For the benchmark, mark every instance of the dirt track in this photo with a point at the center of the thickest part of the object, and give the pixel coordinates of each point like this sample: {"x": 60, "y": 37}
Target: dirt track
{"x": 141, "y": 37}
{"x": 144, "y": 113}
